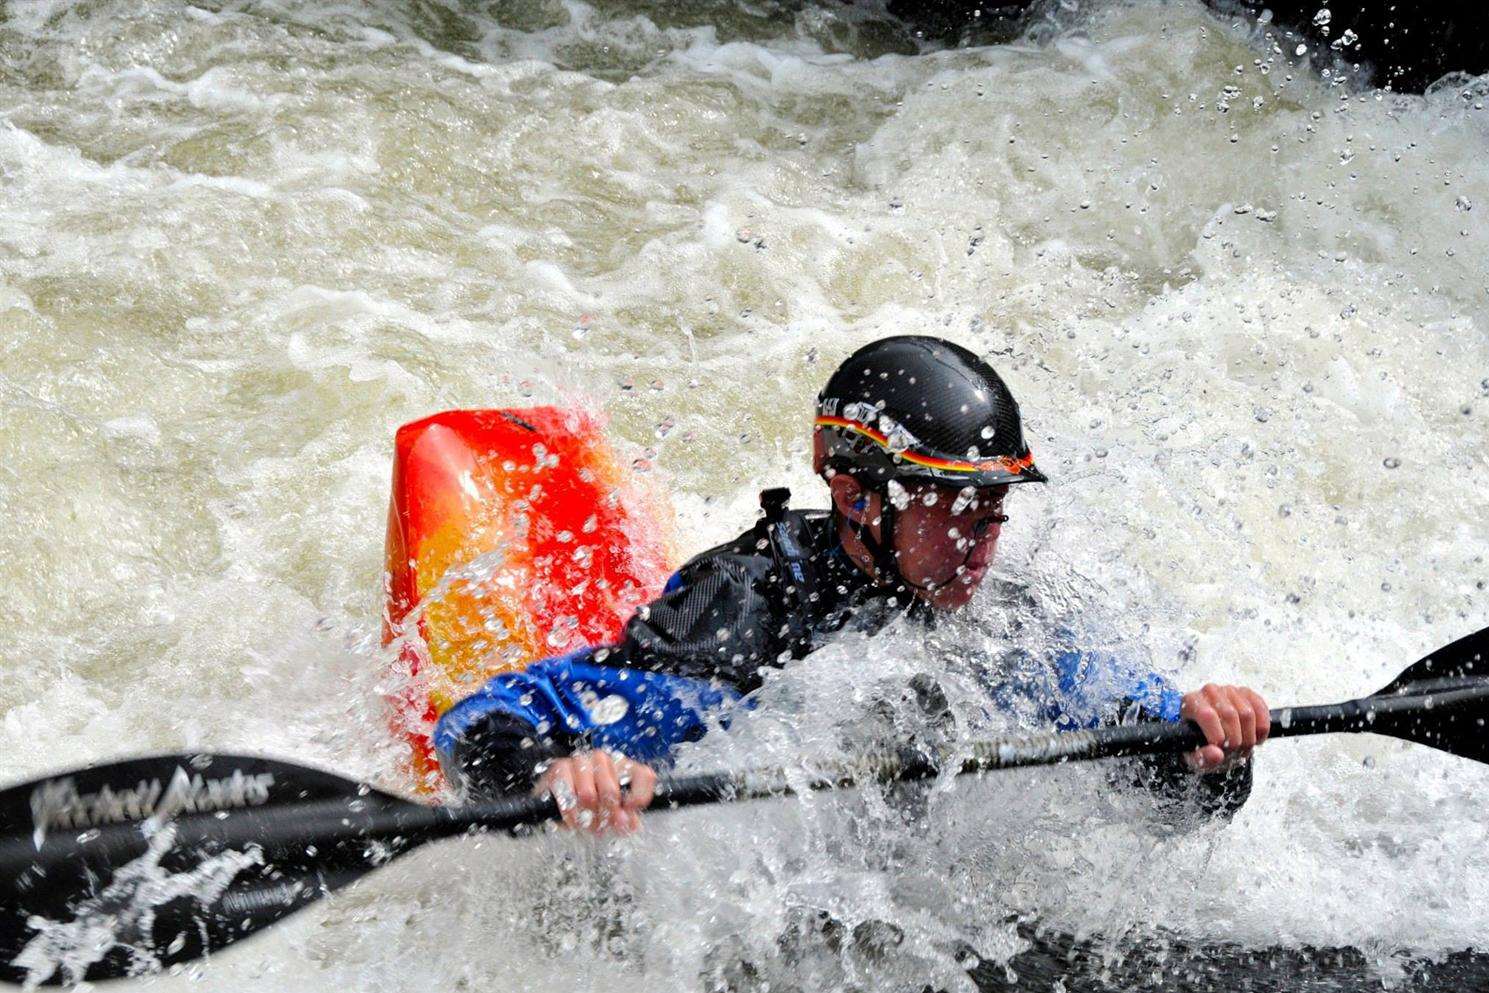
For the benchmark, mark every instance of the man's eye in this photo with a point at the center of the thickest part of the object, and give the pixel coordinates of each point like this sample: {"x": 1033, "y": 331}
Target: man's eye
{"x": 981, "y": 527}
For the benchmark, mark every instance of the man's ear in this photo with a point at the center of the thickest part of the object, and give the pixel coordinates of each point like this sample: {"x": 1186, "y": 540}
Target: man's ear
{"x": 852, "y": 500}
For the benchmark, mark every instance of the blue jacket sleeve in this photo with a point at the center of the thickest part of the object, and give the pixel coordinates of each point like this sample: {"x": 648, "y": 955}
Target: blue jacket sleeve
{"x": 1088, "y": 689}
{"x": 492, "y": 741}
{"x": 1093, "y": 688}
{"x": 1081, "y": 688}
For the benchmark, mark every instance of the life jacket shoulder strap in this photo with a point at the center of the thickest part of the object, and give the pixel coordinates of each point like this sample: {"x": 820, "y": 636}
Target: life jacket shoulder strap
{"x": 798, "y": 574}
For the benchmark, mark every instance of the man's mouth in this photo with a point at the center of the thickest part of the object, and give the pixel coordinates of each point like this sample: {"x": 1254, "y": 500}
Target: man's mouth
{"x": 971, "y": 575}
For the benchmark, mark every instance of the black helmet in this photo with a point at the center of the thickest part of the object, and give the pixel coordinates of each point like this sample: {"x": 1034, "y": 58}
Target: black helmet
{"x": 913, "y": 407}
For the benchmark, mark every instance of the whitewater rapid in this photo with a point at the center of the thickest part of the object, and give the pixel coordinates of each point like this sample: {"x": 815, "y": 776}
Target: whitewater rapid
{"x": 1245, "y": 310}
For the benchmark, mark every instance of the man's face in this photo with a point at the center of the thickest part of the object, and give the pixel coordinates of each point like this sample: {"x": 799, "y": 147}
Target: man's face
{"x": 946, "y": 537}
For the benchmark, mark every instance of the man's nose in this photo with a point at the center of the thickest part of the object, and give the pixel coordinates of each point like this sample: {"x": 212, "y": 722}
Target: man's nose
{"x": 984, "y": 546}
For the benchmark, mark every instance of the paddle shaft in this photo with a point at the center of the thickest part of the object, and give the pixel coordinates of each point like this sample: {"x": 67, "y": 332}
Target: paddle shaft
{"x": 399, "y": 826}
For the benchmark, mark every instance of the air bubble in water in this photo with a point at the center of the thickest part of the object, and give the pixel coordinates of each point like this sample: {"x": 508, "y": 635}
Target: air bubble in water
{"x": 898, "y": 495}
{"x": 964, "y": 499}
{"x": 1392, "y": 462}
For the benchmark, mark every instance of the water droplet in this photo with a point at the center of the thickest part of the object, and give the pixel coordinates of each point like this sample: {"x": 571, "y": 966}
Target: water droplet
{"x": 898, "y": 495}
{"x": 1392, "y": 462}
{"x": 986, "y": 432}
{"x": 1301, "y": 50}
{"x": 1464, "y": 204}
{"x": 964, "y": 498}
{"x": 1323, "y": 17}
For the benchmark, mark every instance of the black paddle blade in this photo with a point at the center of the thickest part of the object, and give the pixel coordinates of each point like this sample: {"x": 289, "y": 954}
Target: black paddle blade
{"x": 1459, "y": 728}
{"x": 129, "y": 868}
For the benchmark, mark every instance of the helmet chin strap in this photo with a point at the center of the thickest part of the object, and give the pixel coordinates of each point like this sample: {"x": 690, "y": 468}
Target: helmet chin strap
{"x": 881, "y": 549}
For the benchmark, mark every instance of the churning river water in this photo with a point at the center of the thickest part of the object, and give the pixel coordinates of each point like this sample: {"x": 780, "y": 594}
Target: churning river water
{"x": 1245, "y": 309}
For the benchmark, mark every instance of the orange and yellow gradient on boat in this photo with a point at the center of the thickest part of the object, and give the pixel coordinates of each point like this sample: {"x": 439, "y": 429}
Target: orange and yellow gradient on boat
{"x": 512, "y": 535}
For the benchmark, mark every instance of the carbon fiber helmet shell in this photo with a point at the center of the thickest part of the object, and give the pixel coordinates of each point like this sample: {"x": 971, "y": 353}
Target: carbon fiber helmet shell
{"x": 914, "y": 407}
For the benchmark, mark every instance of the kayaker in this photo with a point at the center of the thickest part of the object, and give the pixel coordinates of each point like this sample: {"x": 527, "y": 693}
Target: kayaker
{"x": 919, "y": 441}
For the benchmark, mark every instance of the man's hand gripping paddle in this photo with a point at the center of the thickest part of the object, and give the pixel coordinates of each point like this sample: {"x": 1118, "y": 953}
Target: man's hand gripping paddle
{"x": 127, "y": 868}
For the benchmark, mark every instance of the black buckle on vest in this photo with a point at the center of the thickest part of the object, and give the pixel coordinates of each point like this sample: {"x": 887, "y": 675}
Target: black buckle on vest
{"x": 773, "y": 502}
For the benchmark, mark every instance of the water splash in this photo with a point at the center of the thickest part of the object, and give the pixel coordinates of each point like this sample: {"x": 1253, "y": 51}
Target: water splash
{"x": 123, "y": 915}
